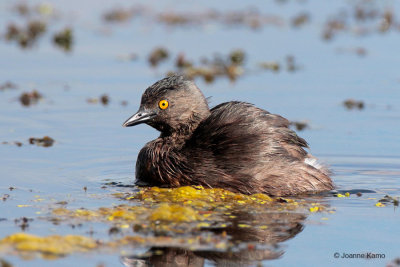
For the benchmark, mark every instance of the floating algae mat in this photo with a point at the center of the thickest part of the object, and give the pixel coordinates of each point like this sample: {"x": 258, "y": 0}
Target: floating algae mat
{"x": 190, "y": 218}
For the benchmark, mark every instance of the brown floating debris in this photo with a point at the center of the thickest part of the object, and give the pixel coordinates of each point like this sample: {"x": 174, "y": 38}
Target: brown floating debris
{"x": 300, "y": 19}
{"x": 25, "y": 36}
{"x": 274, "y": 66}
{"x": 64, "y": 39}
{"x": 291, "y": 64}
{"x": 362, "y": 19}
{"x": 23, "y": 222}
{"x": 300, "y": 125}
{"x": 157, "y": 56}
{"x": 390, "y": 199}
{"x": 118, "y": 15}
{"x": 181, "y": 62}
{"x": 353, "y": 104}
{"x": 17, "y": 143}
{"x": 237, "y": 57}
{"x": 229, "y": 66}
{"x": 25, "y": 10}
{"x": 104, "y": 99}
{"x": 8, "y": 85}
{"x": 92, "y": 100}
{"x": 359, "y": 51}
{"x": 29, "y": 98}
{"x": 45, "y": 141}
{"x": 4, "y": 263}
{"x": 22, "y": 9}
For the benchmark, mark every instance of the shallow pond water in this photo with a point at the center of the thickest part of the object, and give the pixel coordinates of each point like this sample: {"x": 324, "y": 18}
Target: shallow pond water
{"x": 91, "y": 163}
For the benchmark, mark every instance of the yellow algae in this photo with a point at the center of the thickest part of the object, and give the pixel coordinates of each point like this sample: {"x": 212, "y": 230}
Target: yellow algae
{"x": 340, "y": 195}
{"x": 261, "y": 197}
{"x": 181, "y": 210}
{"x": 203, "y": 224}
{"x": 380, "y": 204}
{"x": 221, "y": 245}
{"x": 23, "y": 206}
{"x": 61, "y": 211}
{"x": 347, "y": 194}
{"x": 314, "y": 209}
{"x": 54, "y": 244}
{"x": 174, "y": 213}
{"x": 189, "y": 193}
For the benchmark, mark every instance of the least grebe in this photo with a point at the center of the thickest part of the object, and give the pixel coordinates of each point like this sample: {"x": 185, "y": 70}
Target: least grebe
{"x": 235, "y": 145}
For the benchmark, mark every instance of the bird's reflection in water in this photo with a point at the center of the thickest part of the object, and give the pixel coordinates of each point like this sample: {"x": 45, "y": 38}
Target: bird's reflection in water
{"x": 252, "y": 244}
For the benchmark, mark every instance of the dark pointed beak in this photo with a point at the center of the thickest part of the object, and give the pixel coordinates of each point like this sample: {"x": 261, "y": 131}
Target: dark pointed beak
{"x": 140, "y": 117}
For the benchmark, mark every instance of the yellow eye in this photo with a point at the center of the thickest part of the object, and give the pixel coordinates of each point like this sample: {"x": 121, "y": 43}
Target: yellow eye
{"x": 163, "y": 104}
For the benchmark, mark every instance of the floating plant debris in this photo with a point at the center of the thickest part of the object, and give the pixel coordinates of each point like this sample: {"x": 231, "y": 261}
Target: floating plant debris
{"x": 8, "y": 85}
{"x": 118, "y": 15}
{"x": 229, "y": 66}
{"x": 25, "y": 36}
{"x": 300, "y": 125}
{"x": 359, "y": 51}
{"x": 389, "y": 199}
{"x": 25, "y": 10}
{"x": 157, "y": 56}
{"x": 22, "y": 9}
{"x": 300, "y": 19}
{"x": 274, "y": 66}
{"x": 29, "y": 98}
{"x": 17, "y": 143}
{"x": 64, "y": 39}
{"x": 181, "y": 62}
{"x": 361, "y": 19}
{"x": 23, "y": 222}
{"x": 291, "y": 64}
{"x": 353, "y": 104}
{"x": 45, "y": 141}
{"x": 103, "y": 99}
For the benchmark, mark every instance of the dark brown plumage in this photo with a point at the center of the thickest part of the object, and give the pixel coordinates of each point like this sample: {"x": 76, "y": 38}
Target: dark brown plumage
{"x": 235, "y": 145}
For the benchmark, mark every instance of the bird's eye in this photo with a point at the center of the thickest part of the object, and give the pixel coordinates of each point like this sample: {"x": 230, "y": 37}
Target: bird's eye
{"x": 163, "y": 104}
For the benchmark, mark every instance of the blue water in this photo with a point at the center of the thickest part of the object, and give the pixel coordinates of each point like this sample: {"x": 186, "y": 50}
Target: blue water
{"x": 361, "y": 146}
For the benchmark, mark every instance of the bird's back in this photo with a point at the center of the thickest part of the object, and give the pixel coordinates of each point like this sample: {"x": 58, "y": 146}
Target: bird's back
{"x": 247, "y": 149}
